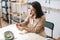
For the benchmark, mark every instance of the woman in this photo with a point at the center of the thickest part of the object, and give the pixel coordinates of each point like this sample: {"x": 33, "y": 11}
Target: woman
{"x": 35, "y": 22}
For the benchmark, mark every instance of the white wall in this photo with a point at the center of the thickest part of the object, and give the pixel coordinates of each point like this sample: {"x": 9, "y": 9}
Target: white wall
{"x": 53, "y": 3}
{"x": 54, "y": 16}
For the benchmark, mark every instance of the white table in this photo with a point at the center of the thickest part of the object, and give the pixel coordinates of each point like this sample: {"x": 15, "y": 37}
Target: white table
{"x": 13, "y": 28}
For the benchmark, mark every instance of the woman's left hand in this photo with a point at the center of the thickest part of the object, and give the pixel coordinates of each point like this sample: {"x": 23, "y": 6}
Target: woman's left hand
{"x": 21, "y": 28}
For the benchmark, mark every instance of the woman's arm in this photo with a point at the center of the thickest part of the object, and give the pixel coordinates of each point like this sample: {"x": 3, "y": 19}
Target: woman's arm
{"x": 26, "y": 21}
{"x": 38, "y": 28}
{"x": 21, "y": 26}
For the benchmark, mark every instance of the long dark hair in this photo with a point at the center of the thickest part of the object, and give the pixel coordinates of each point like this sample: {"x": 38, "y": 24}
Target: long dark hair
{"x": 38, "y": 8}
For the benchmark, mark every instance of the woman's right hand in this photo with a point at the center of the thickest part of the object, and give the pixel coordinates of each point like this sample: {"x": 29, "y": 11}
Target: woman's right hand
{"x": 18, "y": 24}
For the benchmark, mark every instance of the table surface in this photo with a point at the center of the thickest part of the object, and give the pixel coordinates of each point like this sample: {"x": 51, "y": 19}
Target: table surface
{"x": 18, "y": 35}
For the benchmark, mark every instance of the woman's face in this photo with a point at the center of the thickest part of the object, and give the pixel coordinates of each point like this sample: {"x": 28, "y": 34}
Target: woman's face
{"x": 33, "y": 11}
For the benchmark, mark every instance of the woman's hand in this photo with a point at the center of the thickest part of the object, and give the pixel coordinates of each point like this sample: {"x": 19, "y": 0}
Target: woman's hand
{"x": 18, "y": 24}
{"x": 19, "y": 27}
